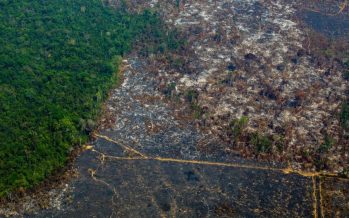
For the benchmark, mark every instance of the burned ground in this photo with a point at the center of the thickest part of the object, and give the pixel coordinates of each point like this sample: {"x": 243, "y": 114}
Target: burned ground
{"x": 269, "y": 61}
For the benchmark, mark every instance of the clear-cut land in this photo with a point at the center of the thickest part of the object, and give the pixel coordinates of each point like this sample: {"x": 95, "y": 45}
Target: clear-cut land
{"x": 261, "y": 79}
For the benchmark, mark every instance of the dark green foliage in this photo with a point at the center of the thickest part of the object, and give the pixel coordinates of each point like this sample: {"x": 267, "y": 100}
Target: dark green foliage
{"x": 279, "y": 142}
{"x": 346, "y": 75}
{"x": 327, "y": 144}
{"x": 321, "y": 160}
{"x": 160, "y": 41}
{"x": 170, "y": 89}
{"x": 237, "y": 126}
{"x": 58, "y": 59}
{"x": 198, "y": 111}
{"x": 192, "y": 96}
{"x": 178, "y": 3}
{"x": 261, "y": 143}
{"x": 344, "y": 116}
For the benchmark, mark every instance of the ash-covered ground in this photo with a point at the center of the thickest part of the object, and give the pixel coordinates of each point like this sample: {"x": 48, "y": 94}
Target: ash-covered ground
{"x": 263, "y": 78}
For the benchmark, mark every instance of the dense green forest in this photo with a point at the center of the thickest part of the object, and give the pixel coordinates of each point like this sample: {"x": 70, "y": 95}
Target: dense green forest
{"x": 58, "y": 59}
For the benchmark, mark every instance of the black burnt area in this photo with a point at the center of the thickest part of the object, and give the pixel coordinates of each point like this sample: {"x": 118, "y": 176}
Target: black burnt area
{"x": 328, "y": 72}
{"x": 191, "y": 176}
{"x": 269, "y": 93}
{"x": 281, "y": 67}
{"x": 333, "y": 26}
{"x": 231, "y": 67}
{"x": 294, "y": 103}
{"x": 295, "y": 60}
{"x": 250, "y": 57}
{"x": 217, "y": 38}
{"x": 301, "y": 52}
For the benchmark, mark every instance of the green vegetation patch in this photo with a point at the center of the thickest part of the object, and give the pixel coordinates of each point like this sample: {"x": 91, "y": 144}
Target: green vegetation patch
{"x": 58, "y": 59}
{"x": 327, "y": 144}
{"x": 261, "y": 143}
{"x": 237, "y": 126}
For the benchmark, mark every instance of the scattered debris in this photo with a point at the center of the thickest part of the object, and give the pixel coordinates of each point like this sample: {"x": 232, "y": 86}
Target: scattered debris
{"x": 278, "y": 83}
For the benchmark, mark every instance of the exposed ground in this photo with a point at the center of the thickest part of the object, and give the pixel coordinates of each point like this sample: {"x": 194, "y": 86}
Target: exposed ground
{"x": 254, "y": 59}
{"x": 276, "y": 64}
{"x": 232, "y": 125}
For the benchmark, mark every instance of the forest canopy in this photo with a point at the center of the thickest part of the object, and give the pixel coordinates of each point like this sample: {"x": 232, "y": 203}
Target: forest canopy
{"x": 58, "y": 59}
